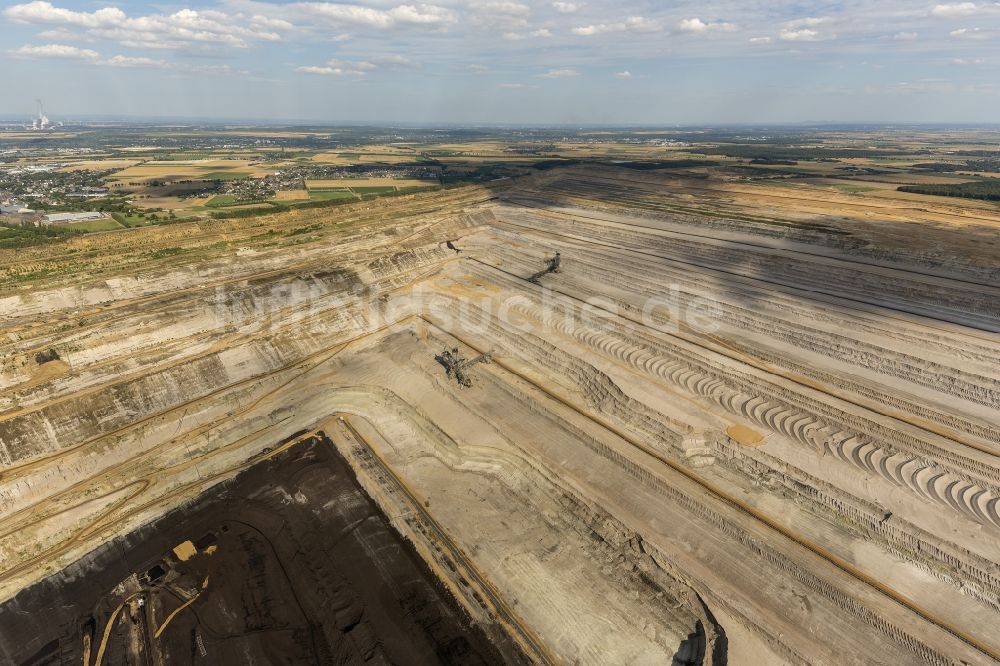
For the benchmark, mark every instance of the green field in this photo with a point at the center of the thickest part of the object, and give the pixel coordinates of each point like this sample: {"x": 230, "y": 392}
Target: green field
{"x": 97, "y": 225}
{"x": 329, "y": 195}
{"x": 373, "y": 190}
{"x": 130, "y": 220}
{"x": 221, "y": 200}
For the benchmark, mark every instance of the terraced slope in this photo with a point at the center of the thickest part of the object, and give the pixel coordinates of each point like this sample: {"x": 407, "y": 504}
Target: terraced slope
{"x": 694, "y": 442}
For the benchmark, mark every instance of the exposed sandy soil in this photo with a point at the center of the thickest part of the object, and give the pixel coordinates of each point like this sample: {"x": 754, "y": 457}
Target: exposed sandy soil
{"x": 735, "y": 421}
{"x": 292, "y": 195}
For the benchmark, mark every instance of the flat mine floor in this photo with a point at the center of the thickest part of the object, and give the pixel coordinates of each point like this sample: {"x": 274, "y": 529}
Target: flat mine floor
{"x": 290, "y": 562}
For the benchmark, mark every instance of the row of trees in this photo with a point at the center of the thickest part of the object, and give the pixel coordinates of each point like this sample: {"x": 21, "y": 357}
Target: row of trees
{"x": 987, "y": 189}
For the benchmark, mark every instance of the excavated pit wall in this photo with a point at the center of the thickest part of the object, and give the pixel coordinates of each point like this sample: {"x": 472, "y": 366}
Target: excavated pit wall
{"x": 611, "y": 545}
{"x": 754, "y": 547}
{"x": 814, "y": 421}
{"x": 975, "y": 575}
{"x": 962, "y": 303}
{"x": 892, "y": 362}
{"x": 923, "y": 462}
{"x": 81, "y": 415}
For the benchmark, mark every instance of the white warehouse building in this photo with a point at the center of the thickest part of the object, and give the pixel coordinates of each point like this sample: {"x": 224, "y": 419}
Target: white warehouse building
{"x": 70, "y": 218}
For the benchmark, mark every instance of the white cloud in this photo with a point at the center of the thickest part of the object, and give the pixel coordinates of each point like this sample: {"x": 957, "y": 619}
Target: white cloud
{"x": 478, "y": 69}
{"x": 92, "y": 57}
{"x": 40, "y": 12}
{"x": 807, "y": 22}
{"x": 637, "y": 24}
{"x": 641, "y": 24}
{"x": 127, "y": 61}
{"x": 268, "y": 22}
{"x": 542, "y": 33}
{"x": 496, "y": 17}
{"x": 368, "y": 17}
{"x": 59, "y": 34}
{"x": 182, "y": 28}
{"x": 693, "y": 25}
{"x": 967, "y": 61}
{"x": 336, "y": 67}
{"x": 566, "y": 7}
{"x": 800, "y": 35}
{"x": 970, "y": 33}
{"x": 359, "y": 68}
{"x": 559, "y": 73}
{"x": 56, "y": 51}
{"x": 954, "y": 9}
{"x": 525, "y": 36}
{"x": 324, "y": 70}
{"x": 623, "y": 75}
{"x": 502, "y": 7}
{"x": 804, "y": 29}
{"x": 514, "y": 86}
{"x": 964, "y": 9}
{"x": 697, "y": 26}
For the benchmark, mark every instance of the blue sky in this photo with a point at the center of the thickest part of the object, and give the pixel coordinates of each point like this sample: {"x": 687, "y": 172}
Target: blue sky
{"x": 508, "y": 61}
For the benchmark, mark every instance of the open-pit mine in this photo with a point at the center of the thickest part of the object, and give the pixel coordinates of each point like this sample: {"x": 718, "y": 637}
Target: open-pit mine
{"x": 591, "y": 415}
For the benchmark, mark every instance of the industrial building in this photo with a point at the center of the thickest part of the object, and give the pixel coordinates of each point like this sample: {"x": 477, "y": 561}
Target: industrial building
{"x": 71, "y": 218}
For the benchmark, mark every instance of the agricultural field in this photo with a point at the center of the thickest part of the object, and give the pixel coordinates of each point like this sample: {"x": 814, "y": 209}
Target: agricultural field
{"x": 330, "y": 195}
{"x": 201, "y": 171}
{"x": 207, "y": 169}
{"x": 292, "y": 195}
{"x": 100, "y": 164}
{"x": 221, "y": 200}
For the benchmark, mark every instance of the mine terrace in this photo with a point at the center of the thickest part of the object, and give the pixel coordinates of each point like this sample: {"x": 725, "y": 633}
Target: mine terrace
{"x": 471, "y": 396}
